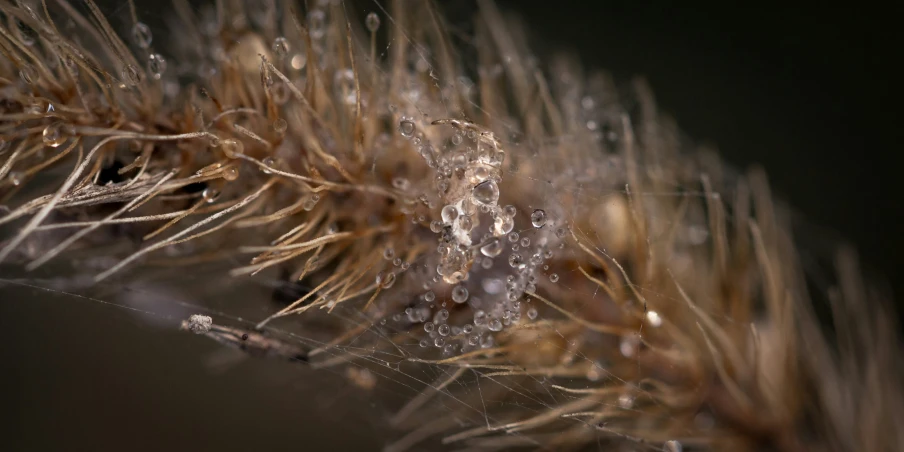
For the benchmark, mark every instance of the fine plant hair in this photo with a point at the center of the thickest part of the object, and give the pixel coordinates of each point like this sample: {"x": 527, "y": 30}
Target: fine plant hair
{"x": 534, "y": 252}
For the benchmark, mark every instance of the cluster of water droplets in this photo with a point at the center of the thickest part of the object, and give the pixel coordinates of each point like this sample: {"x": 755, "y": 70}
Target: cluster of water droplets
{"x": 475, "y": 283}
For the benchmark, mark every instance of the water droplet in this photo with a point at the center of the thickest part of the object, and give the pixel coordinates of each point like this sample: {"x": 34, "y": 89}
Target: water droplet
{"x": 625, "y": 401}
{"x": 156, "y": 65}
{"x": 429, "y": 327}
{"x": 628, "y": 346}
{"x": 560, "y": 232}
{"x": 554, "y": 277}
{"x": 513, "y": 237}
{"x": 231, "y": 173}
{"x": 406, "y": 127}
{"x": 515, "y": 260}
{"x": 509, "y": 211}
{"x": 317, "y": 24}
{"x": 429, "y": 296}
{"x": 298, "y": 61}
{"x": 29, "y": 74}
{"x": 385, "y": 279}
{"x": 439, "y": 342}
{"x": 344, "y": 86}
{"x": 444, "y": 330}
{"x": 372, "y": 21}
{"x": 141, "y": 33}
{"x": 493, "y": 248}
{"x": 485, "y": 193}
{"x": 672, "y": 446}
{"x": 532, "y": 313}
{"x": 232, "y": 148}
{"x": 525, "y": 242}
{"x": 538, "y": 218}
{"x": 495, "y": 325}
{"x": 279, "y": 92}
{"x": 280, "y": 126}
{"x": 16, "y": 178}
{"x": 53, "y": 135}
{"x": 459, "y": 294}
{"x": 131, "y": 74}
{"x": 503, "y": 224}
{"x": 25, "y": 33}
{"x": 210, "y": 195}
{"x": 449, "y": 214}
{"x": 280, "y": 47}
{"x": 388, "y": 253}
{"x": 401, "y": 183}
{"x": 465, "y": 223}
{"x": 424, "y": 343}
{"x": 654, "y": 319}
{"x": 271, "y": 162}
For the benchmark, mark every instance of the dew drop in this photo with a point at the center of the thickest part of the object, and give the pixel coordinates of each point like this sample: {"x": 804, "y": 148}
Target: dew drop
{"x": 429, "y": 327}
{"x": 141, "y": 33}
{"x": 210, "y": 195}
{"x": 156, "y": 65}
{"x": 444, "y": 330}
{"x": 269, "y": 162}
{"x": 231, "y": 173}
{"x": 560, "y": 232}
{"x": 232, "y": 148}
{"x": 672, "y": 446}
{"x": 513, "y": 237}
{"x": 372, "y": 21}
{"x": 654, "y": 319}
{"x": 625, "y": 401}
{"x": 401, "y": 183}
{"x": 280, "y": 47}
{"x": 493, "y": 248}
{"x": 385, "y": 279}
{"x": 495, "y": 325}
{"x": 16, "y": 178}
{"x": 459, "y": 294}
{"x": 406, "y": 127}
{"x": 485, "y": 193}
{"x": 439, "y": 342}
{"x": 131, "y": 75}
{"x": 538, "y": 218}
{"x": 515, "y": 260}
{"x": 29, "y": 74}
{"x": 464, "y": 222}
{"x": 429, "y": 296}
{"x": 388, "y": 253}
{"x": 554, "y": 277}
{"x": 532, "y": 313}
{"x": 449, "y": 214}
{"x": 53, "y": 135}
{"x": 424, "y": 343}
{"x": 344, "y": 86}
{"x": 280, "y": 93}
{"x": 280, "y": 126}
{"x": 317, "y": 24}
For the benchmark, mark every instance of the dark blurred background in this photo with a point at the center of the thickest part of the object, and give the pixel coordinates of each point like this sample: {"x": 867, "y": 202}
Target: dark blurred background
{"x": 809, "y": 92}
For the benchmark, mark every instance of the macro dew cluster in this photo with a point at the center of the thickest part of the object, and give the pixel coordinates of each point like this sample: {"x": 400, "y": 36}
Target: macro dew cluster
{"x": 533, "y": 249}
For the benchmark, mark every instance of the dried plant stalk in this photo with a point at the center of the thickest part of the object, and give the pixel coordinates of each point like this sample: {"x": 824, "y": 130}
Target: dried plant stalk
{"x": 567, "y": 269}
